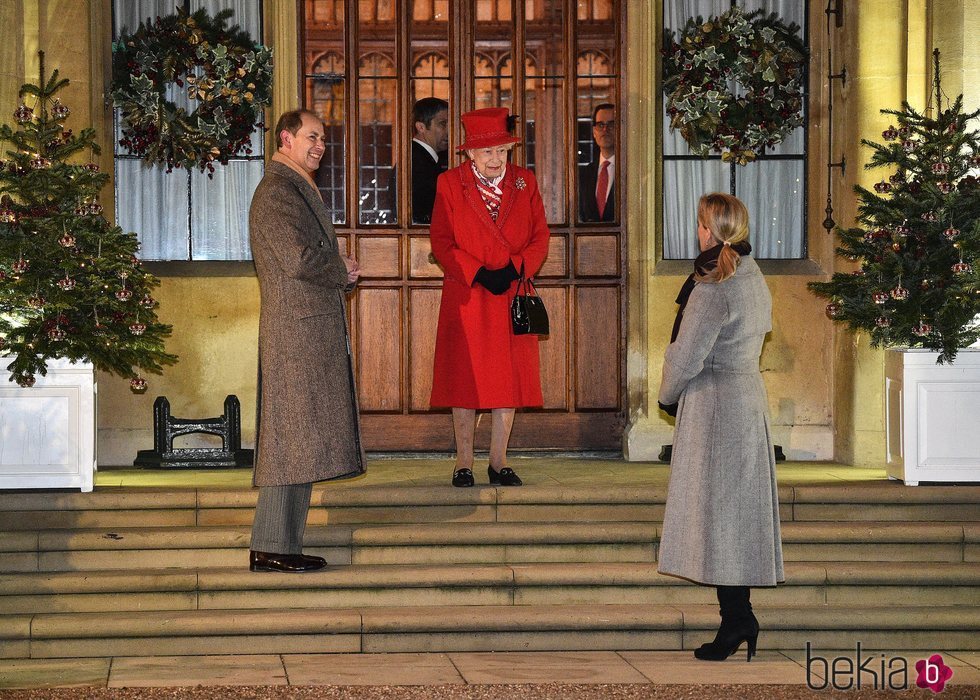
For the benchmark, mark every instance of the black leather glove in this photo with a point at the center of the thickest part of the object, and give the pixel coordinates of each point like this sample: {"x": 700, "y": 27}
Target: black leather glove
{"x": 497, "y": 281}
{"x": 669, "y": 409}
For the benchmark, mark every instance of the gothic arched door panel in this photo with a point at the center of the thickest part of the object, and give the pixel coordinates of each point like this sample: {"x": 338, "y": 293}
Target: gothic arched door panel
{"x": 557, "y": 64}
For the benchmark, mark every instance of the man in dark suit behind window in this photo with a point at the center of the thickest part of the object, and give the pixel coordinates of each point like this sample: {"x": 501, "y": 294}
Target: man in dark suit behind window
{"x": 597, "y": 180}
{"x": 430, "y": 154}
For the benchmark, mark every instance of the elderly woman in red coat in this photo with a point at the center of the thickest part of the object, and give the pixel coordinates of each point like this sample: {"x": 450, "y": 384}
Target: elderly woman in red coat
{"x": 488, "y": 224}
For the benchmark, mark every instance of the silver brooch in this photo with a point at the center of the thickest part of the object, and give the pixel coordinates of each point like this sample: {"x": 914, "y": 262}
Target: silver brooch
{"x": 520, "y": 184}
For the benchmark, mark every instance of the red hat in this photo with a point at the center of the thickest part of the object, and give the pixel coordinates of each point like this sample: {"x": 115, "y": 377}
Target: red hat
{"x": 486, "y": 128}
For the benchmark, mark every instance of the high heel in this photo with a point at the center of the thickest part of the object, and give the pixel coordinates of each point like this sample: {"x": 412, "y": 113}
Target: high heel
{"x": 738, "y": 625}
{"x": 729, "y": 638}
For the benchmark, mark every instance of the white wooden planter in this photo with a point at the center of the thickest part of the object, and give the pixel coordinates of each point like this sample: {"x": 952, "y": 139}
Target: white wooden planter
{"x": 47, "y": 432}
{"x": 932, "y": 416}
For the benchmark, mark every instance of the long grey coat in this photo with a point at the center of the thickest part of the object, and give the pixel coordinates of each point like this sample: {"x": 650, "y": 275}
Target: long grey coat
{"x": 721, "y": 526}
{"x": 308, "y": 418}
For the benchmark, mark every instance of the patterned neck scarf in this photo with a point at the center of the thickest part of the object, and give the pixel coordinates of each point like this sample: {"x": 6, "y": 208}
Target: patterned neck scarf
{"x": 488, "y": 191}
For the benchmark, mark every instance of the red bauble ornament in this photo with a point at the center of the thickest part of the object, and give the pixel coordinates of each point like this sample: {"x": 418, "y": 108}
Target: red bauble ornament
{"x": 882, "y": 187}
{"x": 944, "y": 186}
{"x": 23, "y": 114}
{"x": 940, "y": 168}
{"x": 67, "y": 240}
{"x": 922, "y": 328}
{"x": 961, "y": 268}
{"x": 951, "y": 233}
{"x": 890, "y": 134}
{"x": 833, "y": 310}
{"x": 908, "y": 145}
{"x": 60, "y": 111}
{"x": 148, "y": 302}
{"x": 137, "y": 385}
{"x": 21, "y": 266}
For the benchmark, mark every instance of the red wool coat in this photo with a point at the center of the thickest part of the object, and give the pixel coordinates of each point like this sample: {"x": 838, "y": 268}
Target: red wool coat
{"x": 479, "y": 362}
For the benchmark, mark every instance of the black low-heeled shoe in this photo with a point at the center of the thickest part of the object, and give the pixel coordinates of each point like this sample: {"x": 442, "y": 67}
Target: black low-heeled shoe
{"x": 463, "y": 477}
{"x": 289, "y": 563}
{"x": 729, "y": 639}
{"x": 505, "y": 477}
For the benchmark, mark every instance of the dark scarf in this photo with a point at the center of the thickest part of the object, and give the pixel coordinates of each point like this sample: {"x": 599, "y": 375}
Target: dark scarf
{"x": 703, "y": 264}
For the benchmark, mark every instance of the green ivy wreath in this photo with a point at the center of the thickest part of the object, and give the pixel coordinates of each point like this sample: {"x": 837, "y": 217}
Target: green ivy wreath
{"x": 734, "y": 83}
{"x": 222, "y": 69}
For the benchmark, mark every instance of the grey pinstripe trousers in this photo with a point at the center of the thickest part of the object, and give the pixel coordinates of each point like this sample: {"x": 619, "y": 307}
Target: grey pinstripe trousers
{"x": 280, "y": 518}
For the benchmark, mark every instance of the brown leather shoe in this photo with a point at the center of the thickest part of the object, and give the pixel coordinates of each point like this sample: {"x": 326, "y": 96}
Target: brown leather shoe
{"x": 290, "y": 563}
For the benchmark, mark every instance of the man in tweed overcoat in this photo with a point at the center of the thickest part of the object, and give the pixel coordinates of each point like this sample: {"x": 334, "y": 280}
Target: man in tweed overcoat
{"x": 308, "y": 426}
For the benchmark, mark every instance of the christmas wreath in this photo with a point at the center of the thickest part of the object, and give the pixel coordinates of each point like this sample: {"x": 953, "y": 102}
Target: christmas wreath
{"x": 222, "y": 69}
{"x": 734, "y": 83}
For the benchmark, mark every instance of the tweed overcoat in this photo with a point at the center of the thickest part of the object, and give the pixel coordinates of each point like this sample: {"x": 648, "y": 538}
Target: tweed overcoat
{"x": 721, "y": 525}
{"x": 308, "y": 427}
{"x": 479, "y": 362}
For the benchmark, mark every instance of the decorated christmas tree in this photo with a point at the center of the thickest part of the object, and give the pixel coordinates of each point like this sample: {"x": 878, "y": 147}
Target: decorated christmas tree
{"x": 918, "y": 238}
{"x": 71, "y": 285}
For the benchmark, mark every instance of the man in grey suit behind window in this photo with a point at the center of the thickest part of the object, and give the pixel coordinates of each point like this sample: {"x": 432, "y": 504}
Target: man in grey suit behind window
{"x": 308, "y": 427}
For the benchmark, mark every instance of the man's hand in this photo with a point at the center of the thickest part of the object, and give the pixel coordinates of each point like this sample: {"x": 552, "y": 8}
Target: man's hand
{"x": 353, "y": 269}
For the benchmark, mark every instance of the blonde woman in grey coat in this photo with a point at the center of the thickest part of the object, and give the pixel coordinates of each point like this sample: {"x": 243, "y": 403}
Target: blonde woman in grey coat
{"x": 721, "y": 526}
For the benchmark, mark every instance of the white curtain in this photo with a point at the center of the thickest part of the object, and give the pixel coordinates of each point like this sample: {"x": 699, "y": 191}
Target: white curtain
{"x": 772, "y": 190}
{"x": 181, "y": 215}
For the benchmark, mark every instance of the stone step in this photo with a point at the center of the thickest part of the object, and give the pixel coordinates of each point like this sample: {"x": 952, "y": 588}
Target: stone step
{"x": 475, "y": 628}
{"x": 920, "y": 584}
{"x": 352, "y": 505}
{"x": 193, "y": 547}
{"x": 465, "y": 543}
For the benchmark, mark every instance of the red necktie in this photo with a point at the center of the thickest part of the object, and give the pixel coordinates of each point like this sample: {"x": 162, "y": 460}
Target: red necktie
{"x": 602, "y": 187}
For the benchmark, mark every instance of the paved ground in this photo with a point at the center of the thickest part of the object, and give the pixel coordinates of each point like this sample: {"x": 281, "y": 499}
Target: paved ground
{"x": 592, "y": 674}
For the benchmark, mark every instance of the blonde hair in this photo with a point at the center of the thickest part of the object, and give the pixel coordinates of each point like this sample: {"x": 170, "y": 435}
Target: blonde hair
{"x": 728, "y": 220}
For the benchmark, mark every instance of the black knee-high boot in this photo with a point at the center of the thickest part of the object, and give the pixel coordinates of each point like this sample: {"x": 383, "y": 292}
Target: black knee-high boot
{"x": 738, "y": 625}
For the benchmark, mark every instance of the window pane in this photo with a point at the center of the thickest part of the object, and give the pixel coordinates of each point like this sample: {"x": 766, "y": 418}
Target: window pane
{"x": 596, "y": 142}
{"x": 376, "y": 189}
{"x": 684, "y": 183}
{"x": 545, "y": 143}
{"x": 219, "y": 211}
{"x": 154, "y": 205}
{"x": 128, "y": 15}
{"x": 325, "y": 95}
{"x": 774, "y": 192}
{"x": 248, "y": 13}
{"x": 677, "y": 12}
{"x": 429, "y": 71}
{"x": 493, "y": 43}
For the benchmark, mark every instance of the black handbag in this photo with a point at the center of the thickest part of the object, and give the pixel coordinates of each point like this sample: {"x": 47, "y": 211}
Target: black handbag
{"x": 527, "y": 312}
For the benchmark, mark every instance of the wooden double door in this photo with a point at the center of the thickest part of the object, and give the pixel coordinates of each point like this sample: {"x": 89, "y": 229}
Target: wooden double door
{"x": 366, "y": 63}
